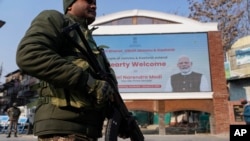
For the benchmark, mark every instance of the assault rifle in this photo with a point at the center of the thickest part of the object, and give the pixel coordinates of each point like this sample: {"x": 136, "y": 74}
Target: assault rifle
{"x": 120, "y": 121}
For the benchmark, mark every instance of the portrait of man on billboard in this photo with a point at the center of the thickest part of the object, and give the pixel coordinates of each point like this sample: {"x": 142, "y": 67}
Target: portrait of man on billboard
{"x": 187, "y": 80}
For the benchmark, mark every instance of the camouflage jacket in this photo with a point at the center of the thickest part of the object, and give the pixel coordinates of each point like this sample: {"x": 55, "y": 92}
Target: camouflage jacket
{"x": 13, "y": 113}
{"x": 45, "y": 53}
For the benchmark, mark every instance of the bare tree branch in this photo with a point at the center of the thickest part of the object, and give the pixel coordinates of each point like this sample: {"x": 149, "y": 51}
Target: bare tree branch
{"x": 232, "y": 16}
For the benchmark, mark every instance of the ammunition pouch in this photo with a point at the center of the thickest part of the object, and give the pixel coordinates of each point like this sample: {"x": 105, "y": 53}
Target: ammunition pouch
{"x": 61, "y": 97}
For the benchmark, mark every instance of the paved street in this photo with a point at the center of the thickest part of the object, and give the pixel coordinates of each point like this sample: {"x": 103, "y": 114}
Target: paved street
{"x": 150, "y": 134}
{"x": 197, "y": 137}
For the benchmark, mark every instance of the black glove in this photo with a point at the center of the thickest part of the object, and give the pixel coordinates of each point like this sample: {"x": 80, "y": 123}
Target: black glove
{"x": 100, "y": 89}
{"x": 124, "y": 130}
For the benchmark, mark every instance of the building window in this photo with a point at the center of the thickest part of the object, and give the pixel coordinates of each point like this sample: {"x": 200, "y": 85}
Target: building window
{"x": 138, "y": 20}
{"x": 123, "y": 21}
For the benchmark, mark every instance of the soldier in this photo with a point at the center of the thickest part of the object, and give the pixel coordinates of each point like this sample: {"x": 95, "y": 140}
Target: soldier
{"x": 72, "y": 103}
{"x": 14, "y": 114}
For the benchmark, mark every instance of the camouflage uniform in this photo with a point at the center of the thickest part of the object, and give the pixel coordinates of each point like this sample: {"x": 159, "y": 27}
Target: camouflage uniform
{"x": 13, "y": 114}
{"x": 65, "y": 109}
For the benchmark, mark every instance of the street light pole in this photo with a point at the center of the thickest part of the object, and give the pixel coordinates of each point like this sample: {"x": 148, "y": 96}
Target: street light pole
{"x": 2, "y": 23}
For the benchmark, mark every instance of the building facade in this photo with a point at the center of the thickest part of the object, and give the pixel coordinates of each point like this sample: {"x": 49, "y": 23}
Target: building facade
{"x": 238, "y": 75}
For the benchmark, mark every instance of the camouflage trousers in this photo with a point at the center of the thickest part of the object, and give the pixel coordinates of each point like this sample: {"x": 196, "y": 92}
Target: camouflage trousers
{"x": 12, "y": 126}
{"x": 65, "y": 138}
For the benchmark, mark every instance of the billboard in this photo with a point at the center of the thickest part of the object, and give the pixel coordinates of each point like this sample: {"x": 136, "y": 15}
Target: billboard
{"x": 144, "y": 63}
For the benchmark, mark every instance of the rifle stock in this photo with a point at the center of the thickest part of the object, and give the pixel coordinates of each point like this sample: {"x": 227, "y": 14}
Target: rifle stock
{"x": 120, "y": 116}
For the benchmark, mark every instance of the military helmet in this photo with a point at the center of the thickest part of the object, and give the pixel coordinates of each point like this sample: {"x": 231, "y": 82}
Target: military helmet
{"x": 67, "y": 4}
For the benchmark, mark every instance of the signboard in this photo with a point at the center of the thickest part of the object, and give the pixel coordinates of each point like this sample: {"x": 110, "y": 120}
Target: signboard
{"x": 242, "y": 56}
{"x": 144, "y": 63}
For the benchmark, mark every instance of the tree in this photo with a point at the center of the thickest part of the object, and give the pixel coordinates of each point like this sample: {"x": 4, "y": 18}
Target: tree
{"x": 232, "y": 16}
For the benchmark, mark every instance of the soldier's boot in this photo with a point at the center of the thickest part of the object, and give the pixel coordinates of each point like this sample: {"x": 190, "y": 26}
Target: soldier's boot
{"x": 8, "y": 136}
{"x": 15, "y": 135}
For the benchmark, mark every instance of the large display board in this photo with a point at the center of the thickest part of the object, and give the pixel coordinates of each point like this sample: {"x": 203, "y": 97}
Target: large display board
{"x": 144, "y": 62}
